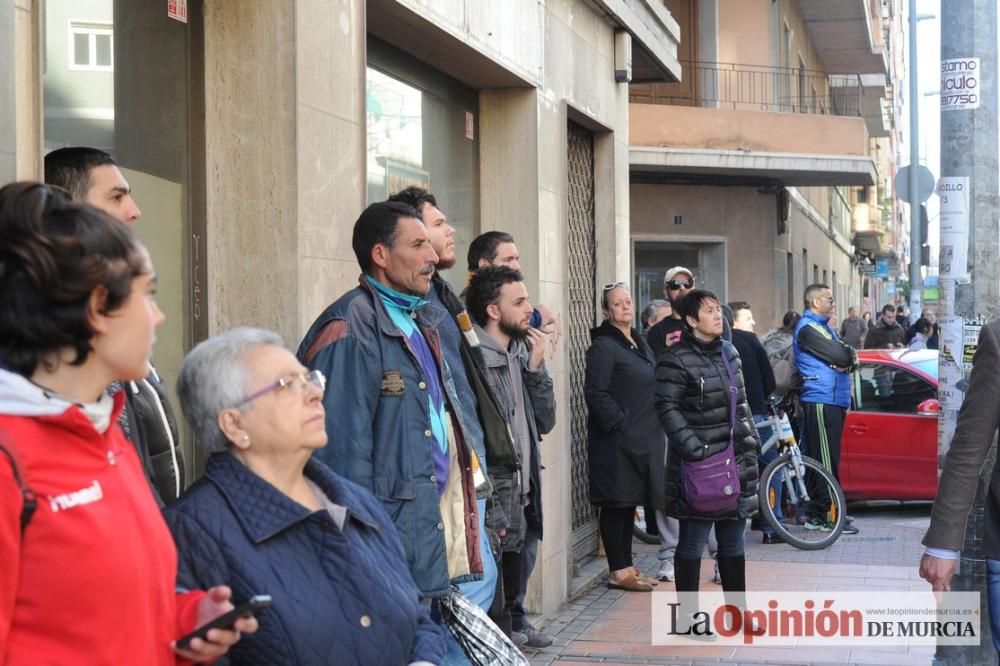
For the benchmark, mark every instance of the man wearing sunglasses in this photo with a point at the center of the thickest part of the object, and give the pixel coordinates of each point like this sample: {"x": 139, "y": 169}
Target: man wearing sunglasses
{"x": 677, "y": 282}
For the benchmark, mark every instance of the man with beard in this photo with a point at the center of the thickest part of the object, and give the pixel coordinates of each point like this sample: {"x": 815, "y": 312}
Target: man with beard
{"x": 392, "y": 412}
{"x": 888, "y": 333}
{"x": 514, "y": 353}
{"x": 677, "y": 283}
{"x": 497, "y": 248}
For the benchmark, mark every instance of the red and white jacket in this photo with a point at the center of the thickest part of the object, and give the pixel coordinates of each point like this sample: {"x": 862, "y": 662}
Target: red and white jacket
{"x": 91, "y": 579}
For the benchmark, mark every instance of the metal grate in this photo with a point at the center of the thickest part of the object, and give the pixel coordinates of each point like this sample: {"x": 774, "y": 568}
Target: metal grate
{"x": 582, "y": 287}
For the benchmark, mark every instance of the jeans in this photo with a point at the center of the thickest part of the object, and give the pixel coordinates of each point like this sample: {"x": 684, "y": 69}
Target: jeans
{"x": 763, "y": 461}
{"x": 694, "y": 535}
{"x": 481, "y": 591}
{"x": 993, "y": 599}
{"x": 529, "y": 553}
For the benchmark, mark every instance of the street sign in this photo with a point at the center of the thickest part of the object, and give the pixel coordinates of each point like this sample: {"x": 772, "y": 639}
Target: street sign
{"x": 925, "y": 183}
{"x": 866, "y": 269}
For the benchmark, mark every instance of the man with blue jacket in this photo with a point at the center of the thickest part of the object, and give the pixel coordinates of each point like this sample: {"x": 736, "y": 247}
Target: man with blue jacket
{"x": 392, "y": 412}
{"x": 824, "y": 363}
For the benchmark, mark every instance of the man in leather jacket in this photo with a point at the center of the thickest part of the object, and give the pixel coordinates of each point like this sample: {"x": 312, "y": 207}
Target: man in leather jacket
{"x": 92, "y": 176}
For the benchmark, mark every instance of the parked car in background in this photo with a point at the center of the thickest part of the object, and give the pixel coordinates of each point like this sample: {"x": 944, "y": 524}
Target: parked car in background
{"x": 889, "y": 442}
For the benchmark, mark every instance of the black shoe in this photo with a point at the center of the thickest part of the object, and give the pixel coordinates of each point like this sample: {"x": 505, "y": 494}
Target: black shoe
{"x": 850, "y": 529}
{"x": 771, "y": 539}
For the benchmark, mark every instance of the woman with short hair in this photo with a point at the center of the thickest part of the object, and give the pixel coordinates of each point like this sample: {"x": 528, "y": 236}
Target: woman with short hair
{"x": 703, "y": 408}
{"x": 274, "y": 520}
{"x": 87, "y": 565}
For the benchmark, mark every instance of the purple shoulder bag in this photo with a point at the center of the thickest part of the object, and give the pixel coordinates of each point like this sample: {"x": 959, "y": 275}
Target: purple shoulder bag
{"x": 713, "y": 484}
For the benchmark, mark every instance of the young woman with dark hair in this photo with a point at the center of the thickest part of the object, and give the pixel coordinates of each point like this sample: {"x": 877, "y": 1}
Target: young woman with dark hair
{"x": 88, "y": 574}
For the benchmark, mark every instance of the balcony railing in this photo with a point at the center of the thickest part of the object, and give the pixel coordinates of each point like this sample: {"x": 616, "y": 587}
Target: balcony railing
{"x": 749, "y": 87}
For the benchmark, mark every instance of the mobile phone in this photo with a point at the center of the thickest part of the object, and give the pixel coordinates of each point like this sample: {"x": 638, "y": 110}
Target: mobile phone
{"x": 227, "y": 620}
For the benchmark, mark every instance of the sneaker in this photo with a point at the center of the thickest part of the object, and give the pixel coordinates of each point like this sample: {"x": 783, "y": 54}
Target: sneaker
{"x": 666, "y": 572}
{"x": 850, "y": 529}
{"x": 814, "y": 524}
{"x": 530, "y": 638}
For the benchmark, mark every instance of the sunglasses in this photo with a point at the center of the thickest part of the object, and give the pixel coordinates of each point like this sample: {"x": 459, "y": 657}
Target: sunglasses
{"x": 679, "y": 284}
{"x": 615, "y": 285}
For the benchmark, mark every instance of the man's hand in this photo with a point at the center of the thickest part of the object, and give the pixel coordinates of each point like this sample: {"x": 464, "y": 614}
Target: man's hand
{"x": 938, "y": 572}
{"x": 218, "y": 641}
{"x": 536, "y": 343}
{"x": 548, "y": 324}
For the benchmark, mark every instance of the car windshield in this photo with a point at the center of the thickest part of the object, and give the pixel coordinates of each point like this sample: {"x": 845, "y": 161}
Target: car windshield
{"x": 927, "y": 366}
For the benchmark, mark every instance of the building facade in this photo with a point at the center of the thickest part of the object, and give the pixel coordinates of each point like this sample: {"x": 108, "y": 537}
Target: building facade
{"x": 254, "y": 132}
{"x": 764, "y": 169}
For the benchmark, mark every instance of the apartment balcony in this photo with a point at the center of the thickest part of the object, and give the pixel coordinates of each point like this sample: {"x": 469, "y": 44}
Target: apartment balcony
{"x": 870, "y": 233}
{"x": 869, "y": 94}
{"x": 749, "y": 125}
{"x": 846, "y": 34}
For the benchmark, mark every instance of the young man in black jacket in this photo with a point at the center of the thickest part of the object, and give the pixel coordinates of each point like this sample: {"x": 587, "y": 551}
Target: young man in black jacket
{"x": 758, "y": 377}
{"x": 92, "y": 176}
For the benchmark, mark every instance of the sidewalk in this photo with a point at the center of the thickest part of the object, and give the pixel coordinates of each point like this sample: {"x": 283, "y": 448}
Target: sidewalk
{"x": 613, "y": 627}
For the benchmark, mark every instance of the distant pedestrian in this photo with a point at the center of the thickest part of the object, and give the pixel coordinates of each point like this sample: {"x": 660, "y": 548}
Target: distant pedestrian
{"x": 853, "y": 329}
{"x": 656, "y": 311}
{"x": 924, "y": 328}
{"x": 888, "y": 333}
{"x": 758, "y": 377}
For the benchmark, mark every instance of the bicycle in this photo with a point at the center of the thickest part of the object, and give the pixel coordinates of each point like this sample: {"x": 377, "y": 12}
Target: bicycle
{"x": 639, "y": 527}
{"x": 794, "y": 485}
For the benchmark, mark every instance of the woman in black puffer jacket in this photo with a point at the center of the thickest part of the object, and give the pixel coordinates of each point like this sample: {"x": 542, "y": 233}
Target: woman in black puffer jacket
{"x": 692, "y": 401}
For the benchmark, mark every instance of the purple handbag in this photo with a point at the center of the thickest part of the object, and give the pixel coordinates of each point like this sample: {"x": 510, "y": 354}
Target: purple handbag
{"x": 713, "y": 484}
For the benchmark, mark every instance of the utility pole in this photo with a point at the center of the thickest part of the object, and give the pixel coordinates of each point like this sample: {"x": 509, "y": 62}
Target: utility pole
{"x": 916, "y": 281}
{"x": 970, "y": 250}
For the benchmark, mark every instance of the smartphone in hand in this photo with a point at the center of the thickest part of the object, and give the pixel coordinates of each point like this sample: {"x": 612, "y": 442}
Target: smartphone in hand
{"x": 227, "y": 620}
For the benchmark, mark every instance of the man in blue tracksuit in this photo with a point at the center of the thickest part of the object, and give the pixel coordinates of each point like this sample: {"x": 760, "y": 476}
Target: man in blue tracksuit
{"x": 824, "y": 363}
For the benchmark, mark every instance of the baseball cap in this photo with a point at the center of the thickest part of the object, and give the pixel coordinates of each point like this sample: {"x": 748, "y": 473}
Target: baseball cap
{"x": 671, "y": 273}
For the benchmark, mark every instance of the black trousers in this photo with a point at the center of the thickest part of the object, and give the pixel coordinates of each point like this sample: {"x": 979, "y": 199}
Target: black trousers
{"x": 616, "y": 534}
{"x": 823, "y": 425}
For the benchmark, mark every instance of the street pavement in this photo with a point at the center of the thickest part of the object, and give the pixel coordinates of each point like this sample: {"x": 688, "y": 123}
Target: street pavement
{"x": 614, "y": 627}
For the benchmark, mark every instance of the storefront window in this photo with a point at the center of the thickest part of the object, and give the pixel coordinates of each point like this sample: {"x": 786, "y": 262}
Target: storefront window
{"x": 116, "y": 77}
{"x": 422, "y": 130}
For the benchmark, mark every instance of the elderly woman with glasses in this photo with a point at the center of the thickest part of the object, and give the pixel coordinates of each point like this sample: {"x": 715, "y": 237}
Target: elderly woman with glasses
{"x": 625, "y": 440}
{"x": 273, "y": 520}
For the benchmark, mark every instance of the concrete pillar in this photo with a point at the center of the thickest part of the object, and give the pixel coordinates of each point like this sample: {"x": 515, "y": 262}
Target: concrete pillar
{"x": 8, "y": 106}
{"x": 27, "y": 97}
{"x": 285, "y": 156}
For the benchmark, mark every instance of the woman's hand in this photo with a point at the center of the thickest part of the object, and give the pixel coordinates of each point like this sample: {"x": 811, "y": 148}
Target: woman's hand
{"x": 217, "y": 641}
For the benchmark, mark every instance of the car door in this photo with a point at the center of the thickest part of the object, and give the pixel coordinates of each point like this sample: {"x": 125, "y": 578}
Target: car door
{"x": 888, "y": 448}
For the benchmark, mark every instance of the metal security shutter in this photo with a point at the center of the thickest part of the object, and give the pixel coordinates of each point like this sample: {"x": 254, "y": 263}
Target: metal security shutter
{"x": 582, "y": 287}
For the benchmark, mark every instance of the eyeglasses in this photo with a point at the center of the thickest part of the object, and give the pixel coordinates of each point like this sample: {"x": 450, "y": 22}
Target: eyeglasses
{"x": 615, "y": 285}
{"x": 829, "y": 299}
{"x": 679, "y": 284}
{"x": 298, "y": 383}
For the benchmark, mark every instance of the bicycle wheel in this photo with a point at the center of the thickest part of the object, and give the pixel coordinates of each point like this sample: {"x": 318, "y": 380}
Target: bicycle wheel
{"x": 639, "y": 528}
{"x": 781, "y": 491}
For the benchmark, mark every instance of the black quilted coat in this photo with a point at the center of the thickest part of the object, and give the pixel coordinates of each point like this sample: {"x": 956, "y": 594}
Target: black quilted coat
{"x": 692, "y": 402}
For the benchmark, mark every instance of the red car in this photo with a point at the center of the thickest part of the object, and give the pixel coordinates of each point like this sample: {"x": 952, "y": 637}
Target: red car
{"x": 889, "y": 443}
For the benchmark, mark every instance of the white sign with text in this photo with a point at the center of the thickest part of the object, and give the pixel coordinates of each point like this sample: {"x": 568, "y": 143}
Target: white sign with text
{"x": 960, "y": 79}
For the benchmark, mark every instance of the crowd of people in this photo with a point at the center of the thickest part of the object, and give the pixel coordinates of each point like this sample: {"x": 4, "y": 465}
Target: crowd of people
{"x": 383, "y": 483}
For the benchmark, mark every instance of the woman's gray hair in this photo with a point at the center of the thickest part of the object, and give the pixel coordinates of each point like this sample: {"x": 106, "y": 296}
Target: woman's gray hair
{"x": 214, "y": 376}
{"x": 650, "y": 310}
